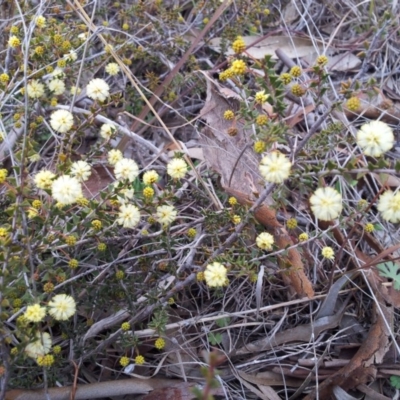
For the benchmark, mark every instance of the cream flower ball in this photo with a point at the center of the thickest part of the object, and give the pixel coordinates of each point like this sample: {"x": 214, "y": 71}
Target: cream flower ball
{"x": 275, "y": 167}
{"x": 98, "y": 89}
{"x": 114, "y": 156}
{"x": 62, "y": 307}
{"x": 40, "y": 347}
{"x": 265, "y": 241}
{"x": 40, "y": 21}
{"x": 75, "y": 90}
{"x": 150, "y": 177}
{"x": 81, "y": 170}
{"x": 35, "y": 89}
{"x": 61, "y": 121}
{"x": 83, "y": 36}
{"x": 112, "y": 69}
{"x": 126, "y": 169}
{"x": 177, "y": 168}
{"x": 165, "y": 215}
{"x": 57, "y": 86}
{"x": 71, "y": 56}
{"x": 107, "y": 130}
{"x": 66, "y": 189}
{"x": 326, "y": 204}
{"x": 35, "y": 313}
{"x": 44, "y": 179}
{"x": 215, "y": 274}
{"x": 328, "y": 253}
{"x": 128, "y": 216}
{"x": 58, "y": 73}
{"x": 389, "y": 206}
{"x": 124, "y": 194}
{"x": 375, "y": 138}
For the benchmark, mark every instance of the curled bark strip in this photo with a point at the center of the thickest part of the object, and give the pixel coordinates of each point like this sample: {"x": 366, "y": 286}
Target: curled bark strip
{"x": 96, "y": 390}
{"x": 291, "y": 264}
{"x": 89, "y": 391}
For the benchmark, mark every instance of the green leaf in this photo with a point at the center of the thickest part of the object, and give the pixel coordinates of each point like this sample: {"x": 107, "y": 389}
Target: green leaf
{"x": 223, "y": 322}
{"x": 215, "y": 338}
{"x": 395, "y": 381}
{"x": 331, "y": 165}
{"x": 390, "y": 270}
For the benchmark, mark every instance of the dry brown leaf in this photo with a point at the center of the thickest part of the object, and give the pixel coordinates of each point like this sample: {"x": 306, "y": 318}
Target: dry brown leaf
{"x": 270, "y": 378}
{"x": 386, "y": 179}
{"x": 99, "y": 180}
{"x": 376, "y": 107}
{"x": 340, "y": 62}
{"x": 252, "y": 388}
{"x": 294, "y": 47}
{"x": 301, "y": 333}
{"x": 229, "y": 93}
{"x": 300, "y": 115}
{"x": 343, "y": 62}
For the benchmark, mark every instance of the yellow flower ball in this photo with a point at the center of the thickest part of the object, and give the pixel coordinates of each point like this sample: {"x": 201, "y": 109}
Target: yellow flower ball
{"x": 73, "y": 263}
{"x": 229, "y": 115}
{"x": 124, "y": 361}
{"x": 238, "y": 67}
{"x": 322, "y": 60}
{"x": 159, "y": 344}
{"x": 4, "y": 78}
{"x": 286, "y": 78}
{"x": 232, "y": 201}
{"x": 14, "y": 42}
{"x": 261, "y": 120}
{"x": 126, "y": 326}
{"x": 353, "y": 103}
{"x": 236, "y": 219}
{"x": 45, "y": 361}
{"x": 200, "y": 276}
{"x": 238, "y": 45}
{"x": 298, "y": 90}
{"x": 139, "y": 360}
{"x": 191, "y": 232}
{"x": 70, "y": 240}
{"x": 295, "y": 71}
{"x": 259, "y": 146}
{"x": 369, "y": 228}
{"x": 261, "y": 97}
{"x": 3, "y": 175}
{"x": 227, "y": 74}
